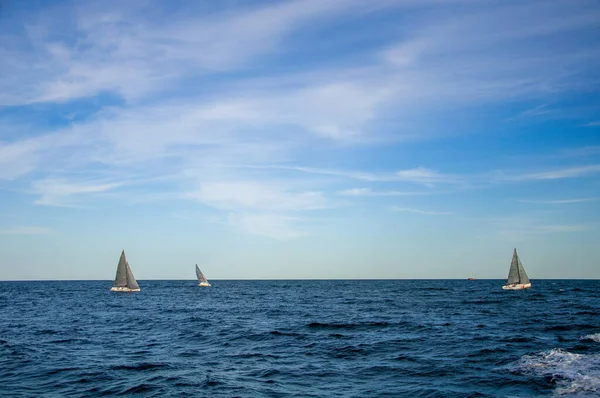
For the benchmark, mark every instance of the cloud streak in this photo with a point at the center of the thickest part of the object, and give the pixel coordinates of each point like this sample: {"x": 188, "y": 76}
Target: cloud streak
{"x": 559, "y": 201}
{"x": 25, "y": 230}
{"x": 370, "y": 192}
{"x": 418, "y": 211}
{"x": 275, "y": 226}
{"x": 61, "y": 193}
{"x": 555, "y": 174}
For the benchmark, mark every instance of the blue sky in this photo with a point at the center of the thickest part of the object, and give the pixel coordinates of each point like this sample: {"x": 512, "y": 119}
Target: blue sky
{"x": 299, "y": 139}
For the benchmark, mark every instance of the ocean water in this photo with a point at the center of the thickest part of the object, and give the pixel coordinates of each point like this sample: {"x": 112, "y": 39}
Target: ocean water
{"x": 416, "y": 338}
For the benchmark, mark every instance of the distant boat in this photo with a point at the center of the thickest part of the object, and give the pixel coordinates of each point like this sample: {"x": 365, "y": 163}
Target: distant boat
{"x": 471, "y": 278}
{"x": 124, "y": 280}
{"x": 201, "y": 278}
{"x": 517, "y": 278}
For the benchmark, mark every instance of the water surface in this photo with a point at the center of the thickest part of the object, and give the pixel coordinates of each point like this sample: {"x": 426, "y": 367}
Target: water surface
{"x": 300, "y": 338}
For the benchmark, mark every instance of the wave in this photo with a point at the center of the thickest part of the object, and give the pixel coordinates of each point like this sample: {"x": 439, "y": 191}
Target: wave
{"x": 254, "y": 355}
{"x": 573, "y": 374}
{"x": 594, "y": 337}
{"x": 279, "y": 333}
{"x": 519, "y": 339}
{"x": 141, "y": 366}
{"x": 569, "y": 327}
{"x": 479, "y": 301}
{"x": 349, "y": 351}
{"x": 319, "y": 325}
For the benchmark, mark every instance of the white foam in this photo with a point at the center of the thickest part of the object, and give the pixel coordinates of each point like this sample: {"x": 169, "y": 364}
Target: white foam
{"x": 574, "y": 374}
{"x": 593, "y": 337}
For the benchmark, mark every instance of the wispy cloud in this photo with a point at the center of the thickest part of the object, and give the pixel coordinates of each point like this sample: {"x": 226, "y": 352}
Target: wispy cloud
{"x": 274, "y": 226}
{"x": 525, "y": 226}
{"x": 425, "y": 176}
{"x": 589, "y": 150}
{"x": 60, "y": 193}
{"x": 537, "y": 111}
{"x": 418, "y": 175}
{"x": 593, "y": 124}
{"x": 564, "y": 228}
{"x": 559, "y": 201}
{"x": 571, "y": 172}
{"x": 122, "y": 52}
{"x": 265, "y": 208}
{"x": 555, "y": 174}
{"x": 17, "y": 159}
{"x": 370, "y": 192}
{"x": 232, "y": 195}
{"x": 25, "y": 230}
{"x": 418, "y": 211}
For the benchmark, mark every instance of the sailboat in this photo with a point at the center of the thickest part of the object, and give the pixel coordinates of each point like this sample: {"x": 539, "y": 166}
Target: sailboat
{"x": 124, "y": 280}
{"x": 201, "y": 278}
{"x": 517, "y": 278}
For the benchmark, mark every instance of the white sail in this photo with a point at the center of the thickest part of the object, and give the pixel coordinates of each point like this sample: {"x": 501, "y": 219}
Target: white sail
{"x": 201, "y": 278}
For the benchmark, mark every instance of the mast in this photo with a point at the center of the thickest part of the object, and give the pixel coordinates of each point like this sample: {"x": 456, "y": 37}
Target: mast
{"x": 518, "y": 266}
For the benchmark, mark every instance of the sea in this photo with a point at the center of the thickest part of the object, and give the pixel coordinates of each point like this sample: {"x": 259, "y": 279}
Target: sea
{"x": 300, "y": 338}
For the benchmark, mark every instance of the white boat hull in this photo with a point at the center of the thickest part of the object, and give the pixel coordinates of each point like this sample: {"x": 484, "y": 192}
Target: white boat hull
{"x": 123, "y": 289}
{"x": 205, "y": 284}
{"x": 516, "y": 286}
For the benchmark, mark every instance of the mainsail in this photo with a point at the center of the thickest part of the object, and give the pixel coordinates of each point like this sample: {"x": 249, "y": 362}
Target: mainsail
{"x": 517, "y": 272}
{"x": 124, "y": 277}
{"x": 200, "y": 275}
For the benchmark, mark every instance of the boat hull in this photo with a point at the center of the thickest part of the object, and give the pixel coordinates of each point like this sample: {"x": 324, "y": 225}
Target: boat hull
{"x": 517, "y": 286}
{"x": 123, "y": 289}
{"x": 204, "y": 284}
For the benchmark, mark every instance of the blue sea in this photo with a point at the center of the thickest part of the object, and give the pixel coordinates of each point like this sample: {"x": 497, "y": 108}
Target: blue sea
{"x": 307, "y": 338}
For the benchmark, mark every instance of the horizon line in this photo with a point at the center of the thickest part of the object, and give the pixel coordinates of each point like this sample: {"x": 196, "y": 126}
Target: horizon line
{"x": 287, "y": 279}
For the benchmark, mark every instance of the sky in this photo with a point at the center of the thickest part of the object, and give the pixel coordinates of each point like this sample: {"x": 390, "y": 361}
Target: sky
{"x": 299, "y": 139}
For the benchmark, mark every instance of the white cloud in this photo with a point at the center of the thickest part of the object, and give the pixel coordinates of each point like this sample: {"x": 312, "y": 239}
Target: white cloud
{"x": 525, "y": 226}
{"x": 418, "y": 175}
{"x": 557, "y": 202}
{"x": 426, "y": 176}
{"x": 234, "y": 195}
{"x": 417, "y": 211}
{"x": 555, "y": 174}
{"x": 274, "y": 226}
{"x": 563, "y": 228}
{"x": 25, "y": 230}
{"x": 126, "y": 50}
{"x": 18, "y": 159}
{"x": 537, "y": 111}
{"x": 60, "y": 193}
{"x": 370, "y": 192}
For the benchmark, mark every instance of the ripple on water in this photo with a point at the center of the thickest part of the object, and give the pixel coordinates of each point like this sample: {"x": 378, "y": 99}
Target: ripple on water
{"x": 300, "y": 338}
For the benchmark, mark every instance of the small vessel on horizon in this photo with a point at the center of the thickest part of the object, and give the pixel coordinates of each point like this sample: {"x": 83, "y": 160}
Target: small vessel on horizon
{"x": 124, "y": 280}
{"x": 517, "y": 277}
{"x": 201, "y": 278}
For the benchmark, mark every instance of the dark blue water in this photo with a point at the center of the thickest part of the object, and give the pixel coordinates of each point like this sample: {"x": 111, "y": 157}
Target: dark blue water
{"x": 300, "y": 338}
